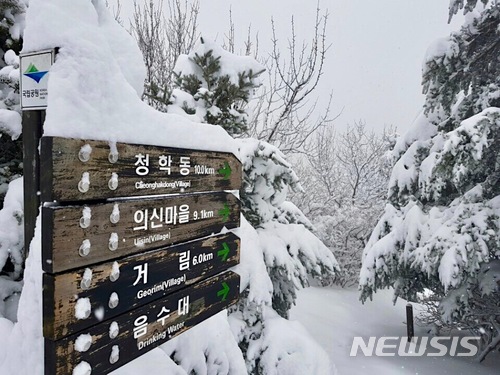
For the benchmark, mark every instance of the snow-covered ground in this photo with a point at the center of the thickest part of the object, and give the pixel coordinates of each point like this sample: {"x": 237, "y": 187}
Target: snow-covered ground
{"x": 333, "y": 316}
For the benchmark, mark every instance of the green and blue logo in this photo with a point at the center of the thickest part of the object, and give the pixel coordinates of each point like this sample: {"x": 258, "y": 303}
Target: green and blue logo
{"x": 33, "y": 73}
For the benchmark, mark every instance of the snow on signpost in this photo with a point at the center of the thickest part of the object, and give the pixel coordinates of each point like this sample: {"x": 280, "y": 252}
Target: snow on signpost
{"x": 142, "y": 224}
{"x": 167, "y": 270}
{"x": 118, "y": 341}
{"x": 126, "y": 272}
{"x": 119, "y": 169}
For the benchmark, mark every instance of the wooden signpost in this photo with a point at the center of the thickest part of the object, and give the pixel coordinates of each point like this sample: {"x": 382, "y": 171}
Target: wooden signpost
{"x": 76, "y": 236}
{"x": 102, "y": 170}
{"x": 113, "y": 343}
{"x": 132, "y": 248}
{"x": 114, "y": 287}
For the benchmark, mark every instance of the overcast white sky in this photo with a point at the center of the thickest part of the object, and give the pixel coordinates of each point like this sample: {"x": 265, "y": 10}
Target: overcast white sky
{"x": 374, "y": 64}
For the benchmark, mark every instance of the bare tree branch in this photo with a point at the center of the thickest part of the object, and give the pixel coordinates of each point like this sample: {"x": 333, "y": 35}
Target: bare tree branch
{"x": 162, "y": 40}
{"x": 284, "y": 114}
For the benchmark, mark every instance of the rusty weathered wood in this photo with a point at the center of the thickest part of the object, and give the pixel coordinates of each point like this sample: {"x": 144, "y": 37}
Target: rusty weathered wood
{"x": 106, "y": 354}
{"x": 169, "y": 170}
{"x": 67, "y": 245}
{"x": 137, "y": 280}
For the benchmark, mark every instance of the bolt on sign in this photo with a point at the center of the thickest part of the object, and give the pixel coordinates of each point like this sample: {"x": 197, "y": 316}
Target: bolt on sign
{"x": 113, "y": 343}
{"x": 112, "y": 288}
{"x": 106, "y": 170}
{"x": 77, "y": 236}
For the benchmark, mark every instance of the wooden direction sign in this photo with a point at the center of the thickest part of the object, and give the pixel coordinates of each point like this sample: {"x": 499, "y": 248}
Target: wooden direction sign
{"x": 112, "y": 288}
{"x": 113, "y": 343}
{"x": 77, "y": 236}
{"x": 75, "y": 170}
{"x": 121, "y": 277}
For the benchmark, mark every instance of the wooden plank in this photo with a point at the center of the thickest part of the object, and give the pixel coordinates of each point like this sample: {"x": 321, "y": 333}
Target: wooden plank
{"x": 165, "y": 319}
{"x": 77, "y": 236}
{"x": 139, "y": 170}
{"x": 132, "y": 281}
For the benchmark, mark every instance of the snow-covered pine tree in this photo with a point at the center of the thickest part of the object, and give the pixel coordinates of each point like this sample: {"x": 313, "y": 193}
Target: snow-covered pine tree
{"x": 346, "y": 182}
{"x": 441, "y": 227}
{"x": 11, "y": 156}
{"x": 279, "y": 252}
{"x": 11, "y": 25}
{"x": 214, "y": 93}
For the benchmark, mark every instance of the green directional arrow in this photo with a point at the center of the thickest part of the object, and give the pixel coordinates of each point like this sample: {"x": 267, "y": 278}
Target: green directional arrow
{"x": 224, "y": 252}
{"x": 226, "y": 171}
{"x": 223, "y": 292}
{"x": 225, "y": 212}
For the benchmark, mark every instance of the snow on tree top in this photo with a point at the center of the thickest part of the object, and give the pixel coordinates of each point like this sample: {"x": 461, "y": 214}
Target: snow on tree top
{"x": 230, "y": 64}
{"x": 441, "y": 48}
{"x": 97, "y": 78}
